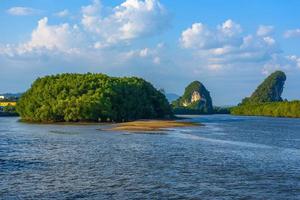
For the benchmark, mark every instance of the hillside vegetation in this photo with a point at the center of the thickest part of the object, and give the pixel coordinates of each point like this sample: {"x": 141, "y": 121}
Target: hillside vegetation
{"x": 269, "y": 91}
{"x": 91, "y": 97}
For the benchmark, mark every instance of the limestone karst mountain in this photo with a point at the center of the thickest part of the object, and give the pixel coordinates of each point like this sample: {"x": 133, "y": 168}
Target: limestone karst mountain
{"x": 268, "y": 91}
{"x": 196, "y": 99}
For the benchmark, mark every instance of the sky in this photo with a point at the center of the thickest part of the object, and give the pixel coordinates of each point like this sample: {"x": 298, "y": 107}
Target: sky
{"x": 230, "y": 46}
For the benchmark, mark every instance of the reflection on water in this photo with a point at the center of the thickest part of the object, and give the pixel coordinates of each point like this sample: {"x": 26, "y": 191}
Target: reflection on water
{"x": 231, "y": 157}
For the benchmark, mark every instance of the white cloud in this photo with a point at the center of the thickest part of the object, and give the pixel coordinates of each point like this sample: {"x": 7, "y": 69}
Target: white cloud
{"x": 294, "y": 59}
{"x": 153, "y": 55}
{"x": 264, "y": 30}
{"x": 198, "y": 36}
{"x": 130, "y": 20}
{"x": 269, "y": 40}
{"x": 52, "y": 37}
{"x": 22, "y": 11}
{"x": 230, "y": 28}
{"x": 292, "y": 33}
{"x": 56, "y": 38}
{"x": 228, "y": 47}
{"x": 201, "y": 37}
{"x": 63, "y": 13}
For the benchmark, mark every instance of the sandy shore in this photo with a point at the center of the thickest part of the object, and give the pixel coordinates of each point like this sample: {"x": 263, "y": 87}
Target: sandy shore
{"x": 151, "y": 125}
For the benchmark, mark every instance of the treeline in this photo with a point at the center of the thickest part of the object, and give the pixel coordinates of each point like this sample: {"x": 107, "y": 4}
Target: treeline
{"x": 272, "y": 109}
{"x": 91, "y": 97}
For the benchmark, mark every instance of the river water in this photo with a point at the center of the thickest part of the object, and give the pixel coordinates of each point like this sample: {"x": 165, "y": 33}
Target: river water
{"x": 228, "y": 158}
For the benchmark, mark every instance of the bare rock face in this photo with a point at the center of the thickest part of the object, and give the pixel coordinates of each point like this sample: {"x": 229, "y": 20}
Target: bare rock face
{"x": 196, "y": 97}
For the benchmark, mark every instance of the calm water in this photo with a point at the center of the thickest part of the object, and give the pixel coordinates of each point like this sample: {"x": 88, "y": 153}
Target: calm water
{"x": 230, "y": 158}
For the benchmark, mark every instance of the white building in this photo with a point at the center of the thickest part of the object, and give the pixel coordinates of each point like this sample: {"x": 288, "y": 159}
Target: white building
{"x": 2, "y": 97}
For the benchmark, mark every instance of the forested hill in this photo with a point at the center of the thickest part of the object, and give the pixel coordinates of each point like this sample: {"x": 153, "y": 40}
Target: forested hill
{"x": 91, "y": 97}
{"x": 269, "y": 91}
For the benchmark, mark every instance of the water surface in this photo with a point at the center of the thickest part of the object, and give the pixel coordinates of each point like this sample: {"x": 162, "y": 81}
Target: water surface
{"x": 229, "y": 158}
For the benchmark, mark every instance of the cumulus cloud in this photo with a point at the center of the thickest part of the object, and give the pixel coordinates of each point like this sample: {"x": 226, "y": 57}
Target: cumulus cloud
{"x": 22, "y": 11}
{"x": 130, "y": 20}
{"x": 292, "y": 33}
{"x": 226, "y": 44}
{"x": 127, "y": 22}
{"x": 264, "y": 30}
{"x": 45, "y": 38}
{"x": 229, "y": 28}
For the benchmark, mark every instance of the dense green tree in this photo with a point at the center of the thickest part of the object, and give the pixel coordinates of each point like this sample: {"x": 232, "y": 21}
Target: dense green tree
{"x": 272, "y": 109}
{"x": 91, "y": 97}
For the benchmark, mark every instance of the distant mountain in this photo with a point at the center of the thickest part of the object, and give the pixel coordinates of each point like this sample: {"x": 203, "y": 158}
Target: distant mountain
{"x": 172, "y": 97}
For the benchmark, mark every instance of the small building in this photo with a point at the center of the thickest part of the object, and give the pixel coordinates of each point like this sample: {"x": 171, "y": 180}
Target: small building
{"x": 2, "y": 97}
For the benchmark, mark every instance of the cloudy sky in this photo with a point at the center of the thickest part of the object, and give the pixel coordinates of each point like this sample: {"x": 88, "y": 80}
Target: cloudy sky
{"x": 230, "y": 46}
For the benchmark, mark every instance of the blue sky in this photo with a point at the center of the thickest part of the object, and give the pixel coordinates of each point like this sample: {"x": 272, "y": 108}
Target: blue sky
{"x": 230, "y": 46}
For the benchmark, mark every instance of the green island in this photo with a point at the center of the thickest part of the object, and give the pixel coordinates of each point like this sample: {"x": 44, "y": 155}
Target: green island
{"x": 93, "y": 98}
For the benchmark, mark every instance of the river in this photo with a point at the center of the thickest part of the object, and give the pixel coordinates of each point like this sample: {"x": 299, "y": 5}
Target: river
{"x": 230, "y": 157}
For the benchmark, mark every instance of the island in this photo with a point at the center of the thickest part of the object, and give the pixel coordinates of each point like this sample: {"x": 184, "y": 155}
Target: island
{"x": 92, "y": 98}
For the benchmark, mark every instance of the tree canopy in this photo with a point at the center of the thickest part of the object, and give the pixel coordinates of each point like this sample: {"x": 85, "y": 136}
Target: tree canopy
{"x": 91, "y": 97}
{"x": 272, "y": 109}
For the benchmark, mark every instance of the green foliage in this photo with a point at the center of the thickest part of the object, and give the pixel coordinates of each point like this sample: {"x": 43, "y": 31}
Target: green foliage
{"x": 269, "y": 91}
{"x": 91, "y": 97}
{"x": 273, "y": 109}
{"x": 184, "y": 104}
